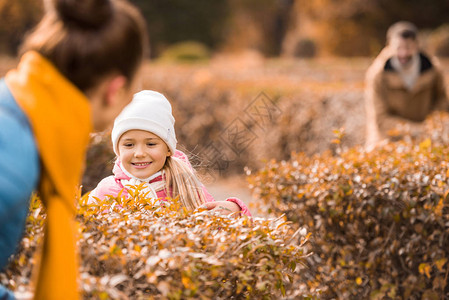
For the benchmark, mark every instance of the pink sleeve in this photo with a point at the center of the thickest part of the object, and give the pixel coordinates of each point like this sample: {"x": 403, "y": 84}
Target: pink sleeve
{"x": 106, "y": 187}
{"x": 243, "y": 208}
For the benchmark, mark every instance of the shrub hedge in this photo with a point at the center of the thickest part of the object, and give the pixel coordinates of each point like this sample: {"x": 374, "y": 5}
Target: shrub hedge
{"x": 131, "y": 249}
{"x": 379, "y": 220}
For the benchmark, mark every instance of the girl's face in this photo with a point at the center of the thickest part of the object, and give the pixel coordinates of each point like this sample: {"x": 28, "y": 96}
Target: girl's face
{"x": 142, "y": 153}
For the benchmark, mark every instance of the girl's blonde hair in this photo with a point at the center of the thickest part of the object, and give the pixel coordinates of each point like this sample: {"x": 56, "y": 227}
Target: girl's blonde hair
{"x": 182, "y": 181}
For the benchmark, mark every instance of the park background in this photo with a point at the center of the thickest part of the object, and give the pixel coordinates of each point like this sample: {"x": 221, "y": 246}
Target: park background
{"x": 254, "y": 82}
{"x": 214, "y": 59}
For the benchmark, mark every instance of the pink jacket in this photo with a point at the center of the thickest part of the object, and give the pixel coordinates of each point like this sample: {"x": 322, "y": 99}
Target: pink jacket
{"x": 112, "y": 186}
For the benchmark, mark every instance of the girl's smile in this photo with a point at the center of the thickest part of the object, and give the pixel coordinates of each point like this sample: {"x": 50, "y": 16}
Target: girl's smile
{"x": 141, "y": 165}
{"x": 142, "y": 153}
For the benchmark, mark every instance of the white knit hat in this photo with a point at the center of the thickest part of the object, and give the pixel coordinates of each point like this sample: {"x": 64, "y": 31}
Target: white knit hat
{"x": 149, "y": 111}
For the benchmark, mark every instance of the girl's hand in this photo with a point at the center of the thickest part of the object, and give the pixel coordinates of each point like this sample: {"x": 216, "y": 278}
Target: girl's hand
{"x": 223, "y": 207}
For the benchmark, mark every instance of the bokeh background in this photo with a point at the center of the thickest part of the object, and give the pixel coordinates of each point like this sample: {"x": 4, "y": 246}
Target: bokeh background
{"x": 271, "y": 27}
{"x": 304, "y": 60}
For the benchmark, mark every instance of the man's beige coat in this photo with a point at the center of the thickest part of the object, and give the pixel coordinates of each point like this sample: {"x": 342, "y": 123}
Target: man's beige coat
{"x": 389, "y": 102}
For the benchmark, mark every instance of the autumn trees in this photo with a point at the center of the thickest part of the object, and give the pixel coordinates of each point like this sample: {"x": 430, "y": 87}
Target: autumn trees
{"x": 273, "y": 27}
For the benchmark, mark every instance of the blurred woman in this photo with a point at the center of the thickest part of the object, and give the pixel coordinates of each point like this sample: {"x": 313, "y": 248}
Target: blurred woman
{"x": 77, "y": 71}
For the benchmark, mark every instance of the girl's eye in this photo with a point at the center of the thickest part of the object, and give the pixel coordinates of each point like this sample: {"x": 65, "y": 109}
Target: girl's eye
{"x": 151, "y": 144}
{"x": 128, "y": 145}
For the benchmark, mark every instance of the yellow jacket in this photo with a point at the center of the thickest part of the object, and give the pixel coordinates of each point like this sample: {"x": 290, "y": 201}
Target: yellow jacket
{"x": 60, "y": 118}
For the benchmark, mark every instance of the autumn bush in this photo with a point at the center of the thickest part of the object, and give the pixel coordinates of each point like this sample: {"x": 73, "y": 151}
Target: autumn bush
{"x": 135, "y": 249}
{"x": 379, "y": 220}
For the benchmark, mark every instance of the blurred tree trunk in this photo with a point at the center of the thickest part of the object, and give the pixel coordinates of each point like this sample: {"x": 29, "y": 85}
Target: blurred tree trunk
{"x": 173, "y": 21}
{"x": 357, "y": 27}
{"x": 272, "y": 27}
{"x": 343, "y": 27}
{"x": 16, "y": 18}
{"x": 258, "y": 25}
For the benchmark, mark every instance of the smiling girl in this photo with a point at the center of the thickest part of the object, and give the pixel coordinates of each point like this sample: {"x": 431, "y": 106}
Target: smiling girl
{"x": 78, "y": 68}
{"x": 144, "y": 141}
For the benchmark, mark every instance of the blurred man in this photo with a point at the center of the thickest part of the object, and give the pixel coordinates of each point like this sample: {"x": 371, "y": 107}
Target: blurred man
{"x": 403, "y": 86}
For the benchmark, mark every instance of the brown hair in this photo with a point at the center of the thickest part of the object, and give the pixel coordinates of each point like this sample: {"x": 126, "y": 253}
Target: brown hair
{"x": 402, "y": 29}
{"x": 90, "y": 39}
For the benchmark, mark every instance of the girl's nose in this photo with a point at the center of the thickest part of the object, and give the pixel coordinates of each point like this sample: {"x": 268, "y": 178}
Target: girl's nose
{"x": 139, "y": 151}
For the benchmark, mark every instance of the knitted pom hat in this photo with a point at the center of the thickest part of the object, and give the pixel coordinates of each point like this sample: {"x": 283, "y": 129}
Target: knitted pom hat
{"x": 149, "y": 111}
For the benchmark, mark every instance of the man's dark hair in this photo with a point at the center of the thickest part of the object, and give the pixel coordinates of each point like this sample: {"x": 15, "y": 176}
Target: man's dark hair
{"x": 408, "y": 34}
{"x": 402, "y": 29}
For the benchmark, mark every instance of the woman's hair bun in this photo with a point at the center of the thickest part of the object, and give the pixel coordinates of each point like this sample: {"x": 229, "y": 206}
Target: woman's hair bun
{"x": 84, "y": 13}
